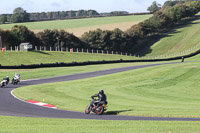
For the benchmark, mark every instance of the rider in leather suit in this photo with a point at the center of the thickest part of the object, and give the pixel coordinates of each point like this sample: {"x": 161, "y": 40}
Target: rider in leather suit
{"x": 101, "y": 98}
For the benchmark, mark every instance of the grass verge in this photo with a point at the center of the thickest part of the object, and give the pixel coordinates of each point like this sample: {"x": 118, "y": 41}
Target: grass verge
{"x": 32, "y": 125}
{"x": 61, "y": 71}
{"x": 27, "y": 58}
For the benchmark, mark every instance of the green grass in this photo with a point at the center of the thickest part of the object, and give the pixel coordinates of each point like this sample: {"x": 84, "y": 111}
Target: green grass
{"x": 167, "y": 91}
{"x": 78, "y": 23}
{"x": 33, "y": 125}
{"x": 181, "y": 41}
{"x": 17, "y": 58}
{"x": 60, "y": 71}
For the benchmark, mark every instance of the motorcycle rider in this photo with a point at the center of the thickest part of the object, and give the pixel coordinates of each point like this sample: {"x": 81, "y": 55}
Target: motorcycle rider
{"x": 7, "y": 79}
{"x": 101, "y": 98}
{"x": 16, "y": 76}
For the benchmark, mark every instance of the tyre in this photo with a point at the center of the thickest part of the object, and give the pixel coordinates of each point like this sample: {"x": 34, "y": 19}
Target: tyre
{"x": 100, "y": 110}
{"x": 87, "y": 109}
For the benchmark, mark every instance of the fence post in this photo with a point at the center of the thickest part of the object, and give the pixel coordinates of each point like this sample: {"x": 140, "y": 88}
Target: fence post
{"x": 82, "y": 50}
{"x": 102, "y": 51}
{"x": 107, "y": 51}
{"x": 87, "y": 50}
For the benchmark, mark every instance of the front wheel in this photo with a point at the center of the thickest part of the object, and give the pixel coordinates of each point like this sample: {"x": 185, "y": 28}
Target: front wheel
{"x": 100, "y": 110}
{"x": 87, "y": 109}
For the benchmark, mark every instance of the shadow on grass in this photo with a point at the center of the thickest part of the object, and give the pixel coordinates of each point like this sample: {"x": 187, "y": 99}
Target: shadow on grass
{"x": 40, "y": 52}
{"x": 116, "y": 112}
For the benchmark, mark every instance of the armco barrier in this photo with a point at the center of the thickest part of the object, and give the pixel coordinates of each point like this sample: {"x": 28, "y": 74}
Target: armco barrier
{"x": 62, "y": 64}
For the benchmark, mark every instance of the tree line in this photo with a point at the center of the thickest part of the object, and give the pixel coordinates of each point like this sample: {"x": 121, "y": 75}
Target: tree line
{"x": 134, "y": 39}
{"x": 48, "y": 38}
{"x": 20, "y": 15}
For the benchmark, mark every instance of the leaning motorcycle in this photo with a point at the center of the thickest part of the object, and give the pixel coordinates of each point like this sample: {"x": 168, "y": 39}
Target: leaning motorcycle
{"x": 15, "y": 80}
{"x": 3, "y": 83}
{"x": 97, "y": 108}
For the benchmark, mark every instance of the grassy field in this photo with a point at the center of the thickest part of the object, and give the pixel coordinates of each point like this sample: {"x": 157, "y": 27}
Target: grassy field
{"x": 167, "y": 91}
{"x": 181, "y": 41}
{"x": 60, "y": 71}
{"x": 79, "y": 26}
{"x": 18, "y": 58}
{"x": 44, "y": 125}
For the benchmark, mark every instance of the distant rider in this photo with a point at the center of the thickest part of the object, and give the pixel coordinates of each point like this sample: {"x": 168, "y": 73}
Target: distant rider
{"x": 16, "y": 77}
{"x": 7, "y": 79}
{"x": 101, "y": 98}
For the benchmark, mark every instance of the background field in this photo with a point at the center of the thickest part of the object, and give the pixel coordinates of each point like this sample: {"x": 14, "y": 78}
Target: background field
{"x": 181, "y": 41}
{"x": 79, "y": 26}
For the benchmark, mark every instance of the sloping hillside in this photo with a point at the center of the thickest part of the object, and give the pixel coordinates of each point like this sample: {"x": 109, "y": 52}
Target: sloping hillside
{"x": 183, "y": 40}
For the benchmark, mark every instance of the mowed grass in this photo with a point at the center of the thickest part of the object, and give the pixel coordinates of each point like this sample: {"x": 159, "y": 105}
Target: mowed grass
{"x": 73, "y": 25}
{"x": 181, "y": 41}
{"x": 9, "y": 58}
{"x": 40, "y": 73}
{"x": 160, "y": 91}
{"x": 44, "y": 125}
{"x": 21, "y": 124}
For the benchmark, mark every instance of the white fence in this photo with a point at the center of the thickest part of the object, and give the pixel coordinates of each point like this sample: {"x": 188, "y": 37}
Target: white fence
{"x": 96, "y": 51}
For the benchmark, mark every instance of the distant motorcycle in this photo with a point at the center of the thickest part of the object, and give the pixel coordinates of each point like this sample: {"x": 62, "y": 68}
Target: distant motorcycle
{"x": 98, "y": 108}
{"x": 15, "y": 80}
{"x": 3, "y": 83}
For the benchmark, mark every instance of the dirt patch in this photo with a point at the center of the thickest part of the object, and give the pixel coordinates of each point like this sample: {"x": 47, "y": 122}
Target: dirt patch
{"x": 80, "y": 31}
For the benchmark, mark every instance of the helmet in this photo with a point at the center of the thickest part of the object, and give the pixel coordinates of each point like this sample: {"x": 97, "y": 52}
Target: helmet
{"x": 101, "y": 92}
{"x": 7, "y": 76}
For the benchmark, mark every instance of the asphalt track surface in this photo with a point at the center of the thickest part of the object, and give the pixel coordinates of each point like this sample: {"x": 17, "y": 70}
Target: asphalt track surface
{"x": 12, "y": 106}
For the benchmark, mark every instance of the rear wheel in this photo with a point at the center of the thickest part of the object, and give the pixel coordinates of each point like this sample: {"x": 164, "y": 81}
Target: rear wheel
{"x": 100, "y": 110}
{"x": 87, "y": 109}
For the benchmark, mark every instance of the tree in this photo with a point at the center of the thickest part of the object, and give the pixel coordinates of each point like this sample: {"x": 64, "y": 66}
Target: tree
{"x": 154, "y": 7}
{"x": 3, "y": 19}
{"x": 50, "y": 38}
{"x": 20, "y": 15}
{"x": 20, "y": 33}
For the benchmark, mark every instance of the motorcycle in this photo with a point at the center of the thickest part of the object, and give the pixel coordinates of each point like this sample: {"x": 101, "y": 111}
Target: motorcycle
{"x": 3, "y": 83}
{"x": 15, "y": 80}
{"x": 97, "y": 108}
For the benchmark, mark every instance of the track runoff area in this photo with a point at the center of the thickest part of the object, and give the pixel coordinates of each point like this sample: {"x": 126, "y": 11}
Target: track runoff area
{"x": 13, "y": 106}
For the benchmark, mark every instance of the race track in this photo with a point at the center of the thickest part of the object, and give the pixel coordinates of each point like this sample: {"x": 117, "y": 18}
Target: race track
{"x": 11, "y": 106}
